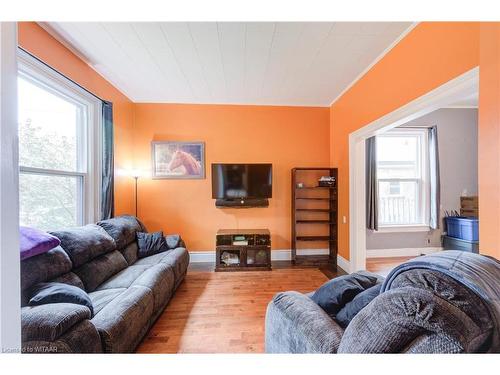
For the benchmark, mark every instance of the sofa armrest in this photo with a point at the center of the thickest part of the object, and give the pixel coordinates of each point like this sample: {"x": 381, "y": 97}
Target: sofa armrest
{"x": 296, "y": 324}
{"x": 51, "y": 321}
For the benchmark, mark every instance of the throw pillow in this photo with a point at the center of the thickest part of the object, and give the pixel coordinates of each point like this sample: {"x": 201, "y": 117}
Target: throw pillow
{"x": 34, "y": 242}
{"x": 173, "y": 240}
{"x": 45, "y": 293}
{"x": 334, "y": 294}
{"x": 351, "y": 309}
{"x": 150, "y": 244}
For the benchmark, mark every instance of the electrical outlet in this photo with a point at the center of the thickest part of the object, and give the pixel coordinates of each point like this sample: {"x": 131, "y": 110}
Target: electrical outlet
{"x": 344, "y": 220}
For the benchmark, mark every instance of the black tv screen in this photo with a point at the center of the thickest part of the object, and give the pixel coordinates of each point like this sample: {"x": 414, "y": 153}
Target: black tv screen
{"x": 234, "y": 181}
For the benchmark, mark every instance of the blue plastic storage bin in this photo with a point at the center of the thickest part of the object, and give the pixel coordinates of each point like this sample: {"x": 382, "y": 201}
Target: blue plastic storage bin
{"x": 465, "y": 228}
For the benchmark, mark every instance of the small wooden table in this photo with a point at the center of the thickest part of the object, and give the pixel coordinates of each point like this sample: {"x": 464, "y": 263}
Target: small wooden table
{"x": 249, "y": 249}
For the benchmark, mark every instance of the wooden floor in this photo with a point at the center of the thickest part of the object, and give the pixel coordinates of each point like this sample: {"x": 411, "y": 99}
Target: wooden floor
{"x": 218, "y": 312}
{"x": 383, "y": 266}
{"x": 223, "y": 312}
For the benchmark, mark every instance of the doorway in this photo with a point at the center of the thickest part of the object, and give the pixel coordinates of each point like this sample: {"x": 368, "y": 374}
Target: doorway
{"x": 464, "y": 86}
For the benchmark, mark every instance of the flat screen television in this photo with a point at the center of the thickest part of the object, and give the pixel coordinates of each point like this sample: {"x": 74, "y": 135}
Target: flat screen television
{"x": 242, "y": 181}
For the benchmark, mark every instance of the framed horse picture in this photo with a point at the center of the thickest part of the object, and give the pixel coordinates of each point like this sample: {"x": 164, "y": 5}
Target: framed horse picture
{"x": 178, "y": 160}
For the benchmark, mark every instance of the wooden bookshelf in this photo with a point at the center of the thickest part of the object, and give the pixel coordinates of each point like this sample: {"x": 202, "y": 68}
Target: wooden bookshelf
{"x": 323, "y": 215}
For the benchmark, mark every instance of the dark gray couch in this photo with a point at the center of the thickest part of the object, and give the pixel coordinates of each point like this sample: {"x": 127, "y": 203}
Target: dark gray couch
{"x": 128, "y": 294}
{"x": 421, "y": 310}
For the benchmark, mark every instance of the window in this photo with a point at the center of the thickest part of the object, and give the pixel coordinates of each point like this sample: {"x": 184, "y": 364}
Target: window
{"x": 58, "y": 149}
{"x": 402, "y": 173}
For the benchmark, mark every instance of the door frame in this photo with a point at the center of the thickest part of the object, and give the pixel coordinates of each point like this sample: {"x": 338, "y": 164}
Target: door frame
{"x": 10, "y": 285}
{"x": 444, "y": 95}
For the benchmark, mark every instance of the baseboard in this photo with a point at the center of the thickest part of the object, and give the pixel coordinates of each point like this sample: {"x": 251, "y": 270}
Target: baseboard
{"x": 344, "y": 264}
{"x": 404, "y": 252}
{"x": 208, "y": 256}
{"x": 286, "y": 254}
{"x": 202, "y": 256}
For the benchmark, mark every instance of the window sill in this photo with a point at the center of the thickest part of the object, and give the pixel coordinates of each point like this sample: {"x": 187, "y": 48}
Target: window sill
{"x": 403, "y": 229}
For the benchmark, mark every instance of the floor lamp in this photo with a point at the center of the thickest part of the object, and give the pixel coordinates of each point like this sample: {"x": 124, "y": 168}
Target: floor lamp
{"x": 135, "y": 174}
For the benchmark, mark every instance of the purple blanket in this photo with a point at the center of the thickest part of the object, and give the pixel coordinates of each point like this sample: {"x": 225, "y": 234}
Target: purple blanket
{"x": 34, "y": 242}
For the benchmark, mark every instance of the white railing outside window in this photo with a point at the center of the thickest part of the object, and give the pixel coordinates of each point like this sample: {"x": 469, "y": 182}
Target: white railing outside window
{"x": 402, "y": 178}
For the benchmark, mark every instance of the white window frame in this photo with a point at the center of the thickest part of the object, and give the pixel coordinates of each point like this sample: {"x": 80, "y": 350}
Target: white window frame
{"x": 423, "y": 183}
{"x": 91, "y": 152}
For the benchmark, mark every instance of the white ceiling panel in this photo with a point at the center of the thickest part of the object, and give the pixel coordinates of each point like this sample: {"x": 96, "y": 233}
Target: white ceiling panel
{"x": 259, "y": 40}
{"x": 282, "y": 63}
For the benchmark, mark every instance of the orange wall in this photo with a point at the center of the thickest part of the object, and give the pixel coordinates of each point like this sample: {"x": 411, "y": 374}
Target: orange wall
{"x": 38, "y": 42}
{"x": 287, "y": 137}
{"x": 489, "y": 139}
{"x": 430, "y": 55}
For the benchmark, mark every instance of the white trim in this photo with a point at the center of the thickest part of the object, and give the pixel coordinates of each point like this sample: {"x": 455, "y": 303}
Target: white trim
{"x": 208, "y": 256}
{"x": 402, "y": 229}
{"x": 57, "y": 36}
{"x": 50, "y": 171}
{"x": 377, "y": 59}
{"x": 344, "y": 264}
{"x": 10, "y": 284}
{"x": 461, "y": 107}
{"x": 92, "y": 147}
{"x": 403, "y": 252}
{"x": 205, "y": 256}
{"x": 459, "y": 87}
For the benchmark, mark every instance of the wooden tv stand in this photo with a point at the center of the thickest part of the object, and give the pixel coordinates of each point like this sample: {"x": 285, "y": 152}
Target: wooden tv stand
{"x": 243, "y": 250}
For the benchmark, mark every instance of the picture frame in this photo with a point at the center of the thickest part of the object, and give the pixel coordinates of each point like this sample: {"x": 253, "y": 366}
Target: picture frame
{"x": 178, "y": 160}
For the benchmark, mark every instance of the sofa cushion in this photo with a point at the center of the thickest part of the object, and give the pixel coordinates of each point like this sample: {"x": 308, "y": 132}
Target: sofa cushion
{"x": 122, "y": 229}
{"x": 129, "y": 252}
{"x": 81, "y": 338}
{"x": 160, "y": 280}
{"x": 48, "y": 322}
{"x": 100, "y": 298}
{"x": 334, "y": 294}
{"x": 70, "y": 278}
{"x": 124, "y": 321}
{"x": 400, "y": 319}
{"x": 178, "y": 259}
{"x": 351, "y": 309}
{"x": 151, "y": 260}
{"x": 124, "y": 278}
{"x": 100, "y": 269}
{"x": 150, "y": 244}
{"x": 44, "y": 267}
{"x": 45, "y": 293}
{"x": 449, "y": 289}
{"x": 85, "y": 243}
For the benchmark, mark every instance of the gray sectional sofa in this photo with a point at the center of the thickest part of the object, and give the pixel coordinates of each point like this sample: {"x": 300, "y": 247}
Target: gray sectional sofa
{"x": 128, "y": 294}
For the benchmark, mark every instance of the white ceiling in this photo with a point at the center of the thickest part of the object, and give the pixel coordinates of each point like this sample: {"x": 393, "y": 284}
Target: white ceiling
{"x": 305, "y": 63}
